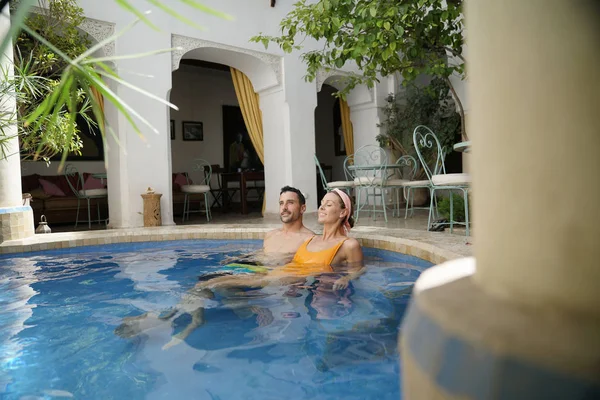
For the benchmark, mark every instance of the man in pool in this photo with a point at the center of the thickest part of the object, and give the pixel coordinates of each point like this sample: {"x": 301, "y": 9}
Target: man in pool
{"x": 287, "y": 239}
{"x": 280, "y": 245}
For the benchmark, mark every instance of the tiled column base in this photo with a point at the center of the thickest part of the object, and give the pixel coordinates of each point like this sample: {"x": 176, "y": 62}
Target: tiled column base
{"x": 16, "y": 223}
{"x": 460, "y": 343}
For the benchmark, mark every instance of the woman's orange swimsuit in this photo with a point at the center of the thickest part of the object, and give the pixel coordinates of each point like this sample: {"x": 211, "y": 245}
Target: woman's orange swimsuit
{"x": 309, "y": 263}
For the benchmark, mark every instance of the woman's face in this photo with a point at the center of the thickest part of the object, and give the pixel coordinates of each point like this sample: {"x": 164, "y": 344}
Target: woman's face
{"x": 331, "y": 210}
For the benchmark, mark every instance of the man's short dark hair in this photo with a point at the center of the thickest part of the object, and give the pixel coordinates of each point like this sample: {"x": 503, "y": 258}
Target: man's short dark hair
{"x": 294, "y": 190}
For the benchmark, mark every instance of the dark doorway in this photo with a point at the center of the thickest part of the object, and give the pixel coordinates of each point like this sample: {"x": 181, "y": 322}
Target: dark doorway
{"x": 328, "y": 139}
{"x": 453, "y": 161}
{"x": 237, "y": 154}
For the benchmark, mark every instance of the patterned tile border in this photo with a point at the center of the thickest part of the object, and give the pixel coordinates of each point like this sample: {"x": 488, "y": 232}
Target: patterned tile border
{"x": 63, "y": 240}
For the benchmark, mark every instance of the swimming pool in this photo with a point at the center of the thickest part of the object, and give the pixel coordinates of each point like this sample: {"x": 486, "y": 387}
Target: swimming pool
{"x": 59, "y": 310}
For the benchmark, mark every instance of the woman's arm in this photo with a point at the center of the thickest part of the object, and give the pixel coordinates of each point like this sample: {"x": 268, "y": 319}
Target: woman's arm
{"x": 353, "y": 255}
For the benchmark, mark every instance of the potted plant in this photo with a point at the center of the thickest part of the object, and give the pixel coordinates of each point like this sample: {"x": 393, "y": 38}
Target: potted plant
{"x": 429, "y": 105}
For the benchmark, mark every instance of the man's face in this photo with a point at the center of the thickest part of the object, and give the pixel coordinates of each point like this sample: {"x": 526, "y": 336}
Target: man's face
{"x": 290, "y": 209}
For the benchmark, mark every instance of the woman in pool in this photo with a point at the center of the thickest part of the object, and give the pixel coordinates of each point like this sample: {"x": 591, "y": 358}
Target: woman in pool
{"x": 331, "y": 252}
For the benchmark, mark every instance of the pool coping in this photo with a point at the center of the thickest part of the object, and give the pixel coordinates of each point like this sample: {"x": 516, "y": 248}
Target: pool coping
{"x": 64, "y": 240}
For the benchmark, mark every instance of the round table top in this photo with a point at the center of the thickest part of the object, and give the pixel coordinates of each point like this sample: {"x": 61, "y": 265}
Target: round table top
{"x": 99, "y": 175}
{"x": 374, "y": 166}
{"x": 463, "y": 147}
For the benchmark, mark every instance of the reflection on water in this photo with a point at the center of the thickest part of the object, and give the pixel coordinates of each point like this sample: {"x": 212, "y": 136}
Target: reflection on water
{"x": 59, "y": 311}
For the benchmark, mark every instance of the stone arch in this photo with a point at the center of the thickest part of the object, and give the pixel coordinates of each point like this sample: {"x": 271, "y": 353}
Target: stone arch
{"x": 100, "y": 31}
{"x": 331, "y": 77}
{"x": 361, "y": 94}
{"x": 263, "y": 69}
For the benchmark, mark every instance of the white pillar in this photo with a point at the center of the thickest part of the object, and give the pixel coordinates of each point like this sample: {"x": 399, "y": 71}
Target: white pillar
{"x": 16, "y": 220}
{"x": 521, "y": 319}
{"x": 289, "y": 136}
{"x": 116, "y": 161}
{"x": 138, "y": 163}
{"x": 276, "y": 162}
{"x": 366, "y": 112}
{"x": 538, "y": 220}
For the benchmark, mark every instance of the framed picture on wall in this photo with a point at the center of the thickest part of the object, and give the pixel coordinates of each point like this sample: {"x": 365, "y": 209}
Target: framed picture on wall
{"x": 172, "y": 129}
{"x": 192, "y": 130}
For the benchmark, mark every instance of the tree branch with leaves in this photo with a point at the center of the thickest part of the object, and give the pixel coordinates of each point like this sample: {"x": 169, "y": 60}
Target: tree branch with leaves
{"x": 381, "y": 37}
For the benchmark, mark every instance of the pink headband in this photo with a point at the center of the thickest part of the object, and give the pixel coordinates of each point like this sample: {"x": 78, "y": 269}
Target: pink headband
{"x": 348, "y": 204}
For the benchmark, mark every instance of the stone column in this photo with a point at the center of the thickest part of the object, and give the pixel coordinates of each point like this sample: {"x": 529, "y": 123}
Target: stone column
{"x": 289, "y": 136}
{"x": 522, "y": 319}
{"x": 366, "y": 112}
{"x": 277, "y": 171}
{"x": 16, "y": 220}
{"x": 136, "y": 163}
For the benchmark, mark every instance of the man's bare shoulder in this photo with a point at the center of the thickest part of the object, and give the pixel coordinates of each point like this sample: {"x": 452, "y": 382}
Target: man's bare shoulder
{"x": 306, "y": 231}
{"x": 272, "y": 233}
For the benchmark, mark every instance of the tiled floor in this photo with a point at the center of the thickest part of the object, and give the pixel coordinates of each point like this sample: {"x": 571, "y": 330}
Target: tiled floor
{"x": 410, "y": 230}
{"x": 417, "y": 222}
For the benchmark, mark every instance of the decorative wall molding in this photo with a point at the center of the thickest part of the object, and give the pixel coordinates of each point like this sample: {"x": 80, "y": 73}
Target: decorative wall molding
{"x": 324, "y": 74}
{"x": 359, "y": 98}
{"x": 98, "y": 30}
{"x": 183, "y": 44}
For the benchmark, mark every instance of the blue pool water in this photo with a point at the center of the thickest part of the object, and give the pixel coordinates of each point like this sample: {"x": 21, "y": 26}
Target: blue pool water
{"x": 59, "y": 310}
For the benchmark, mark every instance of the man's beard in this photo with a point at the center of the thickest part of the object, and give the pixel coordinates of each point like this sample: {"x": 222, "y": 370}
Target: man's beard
{"x": 288, "y": 218}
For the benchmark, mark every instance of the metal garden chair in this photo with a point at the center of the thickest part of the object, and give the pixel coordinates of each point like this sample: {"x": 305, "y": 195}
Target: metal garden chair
{"x": 75, "y": 180}
{"x": 346, "y": 185}
{"x": 202, "y": 188}
{"x": 370, "y": 162}
{"x": 428, "y": 146}
{"x": 406, "y": 169}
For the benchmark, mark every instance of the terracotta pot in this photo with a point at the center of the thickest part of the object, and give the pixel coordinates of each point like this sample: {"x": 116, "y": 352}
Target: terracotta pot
{"x": 421, "y": 197}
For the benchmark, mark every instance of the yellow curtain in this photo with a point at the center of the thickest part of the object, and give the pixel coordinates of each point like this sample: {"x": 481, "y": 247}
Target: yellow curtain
{"x": 248, "y": 100}
{"x": 100, "y": 100}
{"x": 347, "y": 129}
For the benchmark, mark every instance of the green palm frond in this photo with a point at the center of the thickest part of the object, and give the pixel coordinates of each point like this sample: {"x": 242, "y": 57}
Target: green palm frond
{"x": 50, "y": 127}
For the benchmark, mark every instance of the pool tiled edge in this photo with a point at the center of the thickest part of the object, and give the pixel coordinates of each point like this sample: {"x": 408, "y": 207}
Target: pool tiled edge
{"x": 425, "y": 251}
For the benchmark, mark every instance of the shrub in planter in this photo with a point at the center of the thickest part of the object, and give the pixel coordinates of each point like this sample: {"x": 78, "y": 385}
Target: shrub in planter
{"x": 458, "y": 207}
{"x": 429, "y": 105}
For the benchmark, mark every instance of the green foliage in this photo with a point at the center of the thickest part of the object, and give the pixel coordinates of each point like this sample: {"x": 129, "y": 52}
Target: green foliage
{"x": 458, "y": 207}
{"x": 38, "y": 69}
{"x": 52, "y": 136}
{"x": 381, "y": 36}
{"x": 431, "y": 106}
{"x": 57, "y": 23}
{"x": 72, "y": 89}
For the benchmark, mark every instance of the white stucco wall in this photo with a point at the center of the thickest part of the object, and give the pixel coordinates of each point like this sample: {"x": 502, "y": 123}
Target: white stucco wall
{"x": 200, "y": 94}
